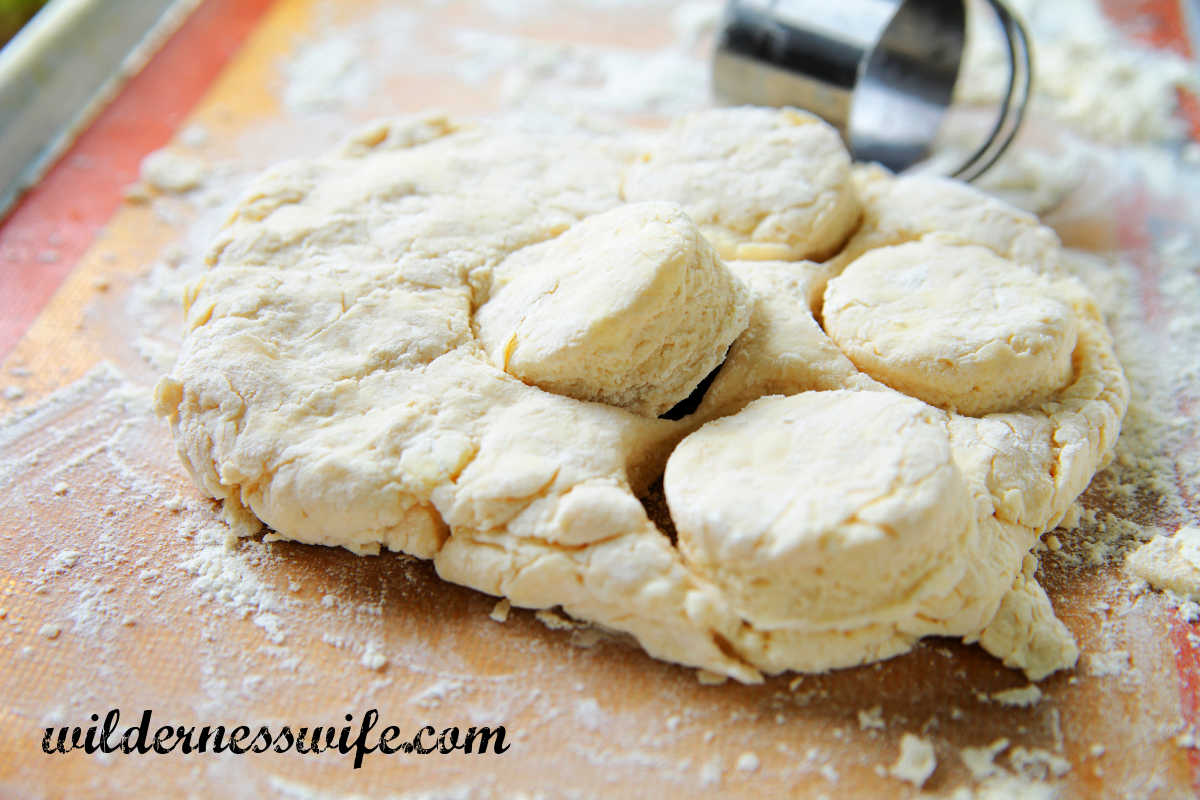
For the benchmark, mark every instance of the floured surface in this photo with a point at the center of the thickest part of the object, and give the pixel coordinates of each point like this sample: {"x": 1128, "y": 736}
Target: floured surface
{"x": 602, "y": 714}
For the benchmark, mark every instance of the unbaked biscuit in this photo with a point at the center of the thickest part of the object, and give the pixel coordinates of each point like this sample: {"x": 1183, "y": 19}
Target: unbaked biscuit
{"x": 631, "y": 307}
{"x": 823, "y": 510}
{"x": 953, "y": 324}
{"x": 762, "y": 184}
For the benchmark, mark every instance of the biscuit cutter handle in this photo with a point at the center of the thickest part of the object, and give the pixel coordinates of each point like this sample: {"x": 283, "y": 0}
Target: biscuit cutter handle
{"x": 882, "y": 71}
{"x": 1016, "y": 96}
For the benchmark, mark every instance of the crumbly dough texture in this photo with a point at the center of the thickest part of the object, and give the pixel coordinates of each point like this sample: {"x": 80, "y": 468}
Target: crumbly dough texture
{"x": 355, "y": 373}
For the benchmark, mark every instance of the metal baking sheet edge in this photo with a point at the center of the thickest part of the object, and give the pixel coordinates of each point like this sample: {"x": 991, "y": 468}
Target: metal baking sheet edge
{"x": 62, "y": 68}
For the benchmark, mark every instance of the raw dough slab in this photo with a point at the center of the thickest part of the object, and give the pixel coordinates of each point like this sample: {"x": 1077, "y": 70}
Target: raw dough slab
{"x": 337, "y": 383}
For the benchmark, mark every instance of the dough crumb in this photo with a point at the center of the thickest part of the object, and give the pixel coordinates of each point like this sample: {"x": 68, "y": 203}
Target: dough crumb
{"x": 1023, "y": 696}
{"x": 500, "y": 610}
{"x": 50, "y": 631}
{"x": 194, "y": 135}
{"x": 708, "y": 678}
{"x": 748, "y": 762}
{"x": 1071, "y": 519}
{"x": 12, "y": 393}
{"x": 1096, "y": 750}
{"x": 373, "y": 658}
{"x": 63, "y": 562}
{"x": 1038, "y": 764}
{"x": 981, "y": 761}
{"x": 871, "y": 718}
{"x": 1187, "y": 739}
{"x": 585, "y": 637}
{"x": 553, "y": 621}
{"x": 1170, "y": 563}
{"x": 172, "y": 172}
{"x": 61, "y": 488}
{"x": 917, "y": 760}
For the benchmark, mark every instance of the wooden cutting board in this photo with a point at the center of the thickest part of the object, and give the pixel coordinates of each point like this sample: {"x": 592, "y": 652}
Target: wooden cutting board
{"x": 116, "y": 591}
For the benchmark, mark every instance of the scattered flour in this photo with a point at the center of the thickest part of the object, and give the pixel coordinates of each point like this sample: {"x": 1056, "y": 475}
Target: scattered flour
{"x": 1100, "y": 665}
{"x": 981, "y": 761}
{"x": 1087, "y": 75}
{"x": 1038, "y": 764}
{"x": 326, "y": 74}
{"x": 747, "y": 762}
{"x": 434, "y": 695}
{"x": 589, "y": 715}
{"x": 710, "y": 772}
{"x": 871, "y": 719}
{"x": 62, "y": 562}
{"x": 1007, "y": 787}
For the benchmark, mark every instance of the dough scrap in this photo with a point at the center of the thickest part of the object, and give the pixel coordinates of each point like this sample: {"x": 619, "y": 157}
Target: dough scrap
{"x": 631, "y": 307}
{"x": 337, "y": 384}
{"x": 762, "y": 184}
{"x": 1170, "y": 563}
{"x": 952, "y": 324}
{"x": 916, "y": 762}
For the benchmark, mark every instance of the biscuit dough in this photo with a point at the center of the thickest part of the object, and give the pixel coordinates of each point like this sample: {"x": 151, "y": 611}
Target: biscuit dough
{"x": 339, "y": 383}
{"x": 631, "y": 307}
{"x": 791, "y": 548}
{"x": 784, "y": 191}
{"x": 952, "y": 324}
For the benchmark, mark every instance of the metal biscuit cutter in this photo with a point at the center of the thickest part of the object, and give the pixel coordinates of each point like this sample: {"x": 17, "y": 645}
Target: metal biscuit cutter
{"x": 882, "y": 71}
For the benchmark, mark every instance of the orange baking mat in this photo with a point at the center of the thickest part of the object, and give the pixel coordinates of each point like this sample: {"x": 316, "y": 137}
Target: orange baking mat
{"x": 116, "y": 591}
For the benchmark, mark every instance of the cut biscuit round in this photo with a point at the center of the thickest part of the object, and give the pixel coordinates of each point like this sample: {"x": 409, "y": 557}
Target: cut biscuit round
{"x": 954, "y": 325}
{"x": 762, "y": 184}
{"x": 822, "y": 510}
{"x": 631, "y": 307}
